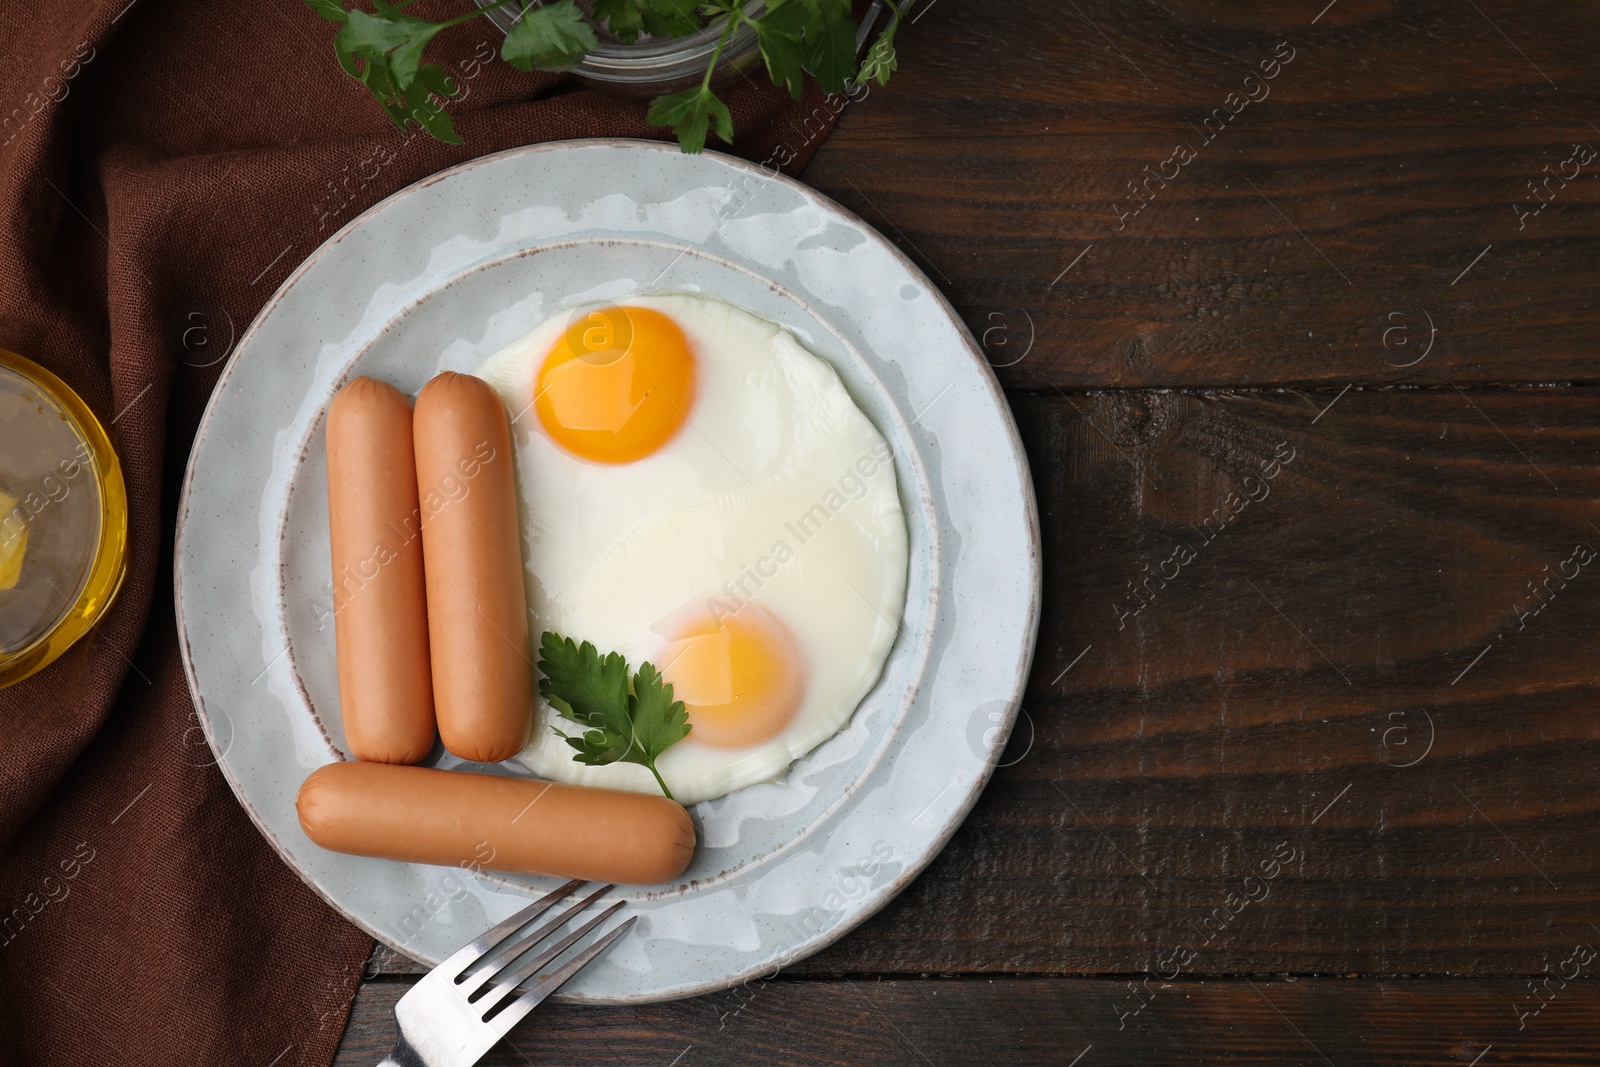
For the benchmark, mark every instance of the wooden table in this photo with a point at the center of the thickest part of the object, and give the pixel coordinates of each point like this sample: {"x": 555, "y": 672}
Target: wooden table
{"x": 1296, "y": 306}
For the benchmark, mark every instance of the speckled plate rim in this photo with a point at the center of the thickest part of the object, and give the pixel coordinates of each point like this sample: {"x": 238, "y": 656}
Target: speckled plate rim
{"x": 992, "y": 718}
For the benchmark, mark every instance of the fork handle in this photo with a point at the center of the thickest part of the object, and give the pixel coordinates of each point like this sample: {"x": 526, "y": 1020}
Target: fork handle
{"x": 401, "y": 1056}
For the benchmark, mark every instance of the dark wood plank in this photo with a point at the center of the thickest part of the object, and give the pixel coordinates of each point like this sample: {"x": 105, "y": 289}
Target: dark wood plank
{"x": 1359, "y": 619}
{"x": 1395, "y": 147}
{"x": 1065, "y": 1022}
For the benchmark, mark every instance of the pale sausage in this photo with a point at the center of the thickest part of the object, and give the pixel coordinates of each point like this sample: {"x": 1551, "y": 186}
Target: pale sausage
{"x": 456, "y": 818}
{"x": 380, "y": 618}
{"x": 477, "y": 611}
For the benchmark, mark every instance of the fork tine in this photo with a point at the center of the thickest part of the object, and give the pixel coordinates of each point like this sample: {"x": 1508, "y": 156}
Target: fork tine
{"x": 464, "y": 957}
{"x": 514, "y": 977}
{"x": 521, "y": 1006}
{"x": 511, "y": 948}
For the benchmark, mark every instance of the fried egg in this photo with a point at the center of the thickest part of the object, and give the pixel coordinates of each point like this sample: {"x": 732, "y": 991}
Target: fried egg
{"x": 699, "y": 491}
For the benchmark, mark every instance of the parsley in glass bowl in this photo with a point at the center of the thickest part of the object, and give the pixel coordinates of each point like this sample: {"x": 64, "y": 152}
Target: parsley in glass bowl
{"x": 652, "y": 64}
{"x": 673, "y": 48}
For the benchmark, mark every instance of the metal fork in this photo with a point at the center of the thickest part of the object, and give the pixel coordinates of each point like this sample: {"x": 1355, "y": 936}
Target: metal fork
{"x": 454, "y": 1014}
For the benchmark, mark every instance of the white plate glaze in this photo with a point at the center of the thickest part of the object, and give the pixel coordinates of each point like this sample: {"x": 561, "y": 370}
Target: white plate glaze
{"x": 446, "y": 272}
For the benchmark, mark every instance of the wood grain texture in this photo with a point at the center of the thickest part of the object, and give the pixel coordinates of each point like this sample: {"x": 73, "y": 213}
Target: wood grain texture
{"x": 1394, "y": 148}
{"x": 1355, "y": 628}
{"x": 1048, "y": 1023}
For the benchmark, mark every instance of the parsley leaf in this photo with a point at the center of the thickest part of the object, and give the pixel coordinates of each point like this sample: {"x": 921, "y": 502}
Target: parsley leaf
{"x": 389, "y": 37}
{"x": 554, "y": 37}
{"x": 779, "y": 32}
{"x": 831, "y": 53}
{"x": 332, "y": 10}
{"x": 622, "y": 17}
{"x": 881, "y": 62}
{"x": 692, "y": 110}
{"x": 383, "y": 52}
{"x": 820, "y": 12}
{"x": 626, "y": 19}
{"x": 659, "y": 722}
{"x": 431, "y": 86}
{"x": 668, "y": 18}
{"x": 592, "y": 691}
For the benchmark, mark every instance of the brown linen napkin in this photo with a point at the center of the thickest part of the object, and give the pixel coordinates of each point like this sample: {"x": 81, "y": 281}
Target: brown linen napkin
{"x": 164, "y": 165}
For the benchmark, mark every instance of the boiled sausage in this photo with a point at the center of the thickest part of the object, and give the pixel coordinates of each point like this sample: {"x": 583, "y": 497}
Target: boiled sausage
{"x": 477, "y": 611}
{"x": 380, "y": 618}
{"x": 457, "y": 818}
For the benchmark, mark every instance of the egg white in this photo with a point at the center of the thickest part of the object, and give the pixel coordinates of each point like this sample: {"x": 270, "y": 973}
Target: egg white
{"x": 778, "y": 491}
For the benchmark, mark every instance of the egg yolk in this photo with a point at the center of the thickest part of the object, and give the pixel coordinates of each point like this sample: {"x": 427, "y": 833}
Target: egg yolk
{"x": 739, "y": 675}
{"x": 617, "y": 385}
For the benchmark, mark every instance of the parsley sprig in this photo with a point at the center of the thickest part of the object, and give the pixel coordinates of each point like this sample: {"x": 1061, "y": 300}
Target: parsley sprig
{"x": 382, "y": 49}
{"x": 621, "y": 725}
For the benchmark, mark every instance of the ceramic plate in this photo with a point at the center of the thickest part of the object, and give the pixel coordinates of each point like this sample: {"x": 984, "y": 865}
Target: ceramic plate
{"x": 445, "y": 273}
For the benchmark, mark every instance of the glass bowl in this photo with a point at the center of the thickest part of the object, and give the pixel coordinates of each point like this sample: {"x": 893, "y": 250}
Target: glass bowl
{"x": 651, "y": 66}
{"x": 63, "y": 518}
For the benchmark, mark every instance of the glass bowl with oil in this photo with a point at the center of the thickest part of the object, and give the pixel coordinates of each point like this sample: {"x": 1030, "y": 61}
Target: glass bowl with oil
{"x": 63, "y": 518}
